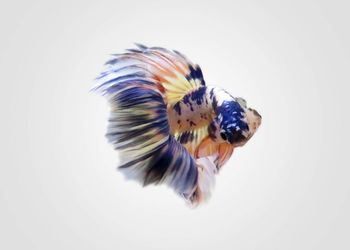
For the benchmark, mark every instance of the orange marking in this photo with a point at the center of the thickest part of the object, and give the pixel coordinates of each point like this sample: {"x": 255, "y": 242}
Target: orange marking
{"x": 206, "y": 147}
{"x": 225, "y": 152}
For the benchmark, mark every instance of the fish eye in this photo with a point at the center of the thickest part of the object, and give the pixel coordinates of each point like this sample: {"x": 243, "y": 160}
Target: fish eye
{"x": 223, "y": 136}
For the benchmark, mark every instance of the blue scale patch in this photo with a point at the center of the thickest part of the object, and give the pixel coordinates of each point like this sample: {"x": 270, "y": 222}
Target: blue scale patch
{"x": 232, "y": 114}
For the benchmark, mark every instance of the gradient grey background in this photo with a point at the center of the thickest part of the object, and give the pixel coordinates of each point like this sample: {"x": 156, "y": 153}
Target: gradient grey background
{"x": 288, "y": 188}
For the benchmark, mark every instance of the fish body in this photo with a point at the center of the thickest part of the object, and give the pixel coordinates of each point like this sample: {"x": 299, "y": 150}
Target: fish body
{"x": 169, "y": 126}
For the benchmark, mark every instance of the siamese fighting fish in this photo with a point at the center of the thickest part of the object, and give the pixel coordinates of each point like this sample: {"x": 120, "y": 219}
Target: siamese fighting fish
{"x": 167, "y": 124}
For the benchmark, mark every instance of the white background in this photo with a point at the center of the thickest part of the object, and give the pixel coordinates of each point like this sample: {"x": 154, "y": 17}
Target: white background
{"x": 288, "y": 188}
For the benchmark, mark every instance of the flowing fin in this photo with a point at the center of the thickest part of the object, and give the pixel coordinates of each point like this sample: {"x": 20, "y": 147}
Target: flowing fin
{"x": 225, "y": 152}
{"x": 138, "y": 125}
{"x": 174, "y": 73}
{"x": 207, "y": 147}
{"x": 206, "y": 179}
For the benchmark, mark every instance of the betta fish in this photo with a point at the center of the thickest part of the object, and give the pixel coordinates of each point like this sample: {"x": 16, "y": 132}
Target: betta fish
{"x": 168, "y": 125}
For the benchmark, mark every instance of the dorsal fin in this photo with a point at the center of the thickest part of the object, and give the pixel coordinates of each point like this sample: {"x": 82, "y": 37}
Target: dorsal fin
{"x": 175, "y": 74}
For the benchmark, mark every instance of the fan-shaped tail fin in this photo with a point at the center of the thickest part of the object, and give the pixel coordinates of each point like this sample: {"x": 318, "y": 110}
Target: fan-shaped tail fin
{"x": 139, "y": 130}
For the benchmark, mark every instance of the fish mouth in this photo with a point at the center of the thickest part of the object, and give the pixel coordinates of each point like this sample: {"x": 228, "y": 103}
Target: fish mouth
{"x": 256, "y": 113}
{"x": 254, "y": 119}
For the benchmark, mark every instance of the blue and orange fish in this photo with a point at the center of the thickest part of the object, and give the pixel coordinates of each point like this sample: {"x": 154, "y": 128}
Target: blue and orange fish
{"x": 167, "y": 124}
